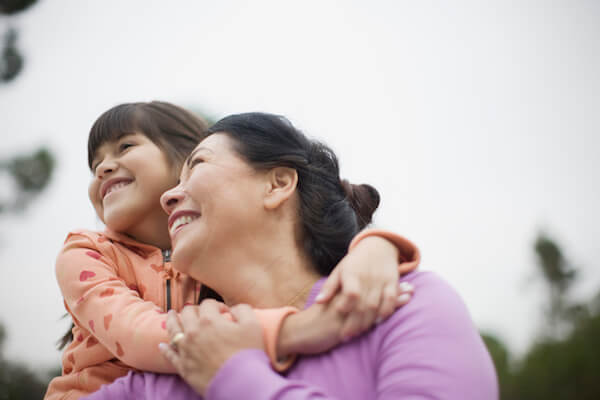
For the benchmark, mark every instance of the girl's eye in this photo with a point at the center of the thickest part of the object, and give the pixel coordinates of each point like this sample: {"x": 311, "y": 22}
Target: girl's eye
{"x": 125, "y": 146}
{"x": 95, "y": 166}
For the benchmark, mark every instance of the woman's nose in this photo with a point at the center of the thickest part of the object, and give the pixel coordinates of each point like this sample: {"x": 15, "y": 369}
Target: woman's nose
{"x": 171, "y": 198}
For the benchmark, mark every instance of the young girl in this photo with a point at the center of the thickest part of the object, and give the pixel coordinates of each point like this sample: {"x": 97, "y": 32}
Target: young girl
{"x": 118, "y": 284}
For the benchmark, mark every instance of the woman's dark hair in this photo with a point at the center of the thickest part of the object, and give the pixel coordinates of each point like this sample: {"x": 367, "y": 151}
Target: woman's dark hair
{"x": 173, "y": 129}
{"x": 332, "y": 211}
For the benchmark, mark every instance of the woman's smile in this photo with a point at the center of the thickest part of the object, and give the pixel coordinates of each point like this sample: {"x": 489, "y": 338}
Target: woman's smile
{"x": 179, "y": 219}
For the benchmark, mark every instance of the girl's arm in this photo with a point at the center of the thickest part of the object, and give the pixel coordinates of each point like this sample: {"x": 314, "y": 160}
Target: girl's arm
{"x": 363, "y": 289}
{"x": 113, "y": 315}
{"x": 110, "y": 313}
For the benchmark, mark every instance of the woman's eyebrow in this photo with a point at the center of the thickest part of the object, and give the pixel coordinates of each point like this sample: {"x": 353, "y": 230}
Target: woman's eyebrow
{"x": 188, "y": 161}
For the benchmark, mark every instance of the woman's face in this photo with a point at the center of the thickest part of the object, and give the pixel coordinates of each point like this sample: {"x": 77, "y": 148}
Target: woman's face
{"x": 217, "y": 205}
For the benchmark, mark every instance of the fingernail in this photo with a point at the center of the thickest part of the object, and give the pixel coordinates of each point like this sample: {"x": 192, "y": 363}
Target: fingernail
{"x": 162, "y": 346}
{"x": 320, "y": 296}
{"x": 405, "y": 286}
{"x": 403, "y": 298}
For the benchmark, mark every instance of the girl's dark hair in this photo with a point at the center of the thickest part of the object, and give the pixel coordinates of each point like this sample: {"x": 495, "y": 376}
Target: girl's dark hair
{"x": 332, "y": 211}
{"x": 173, "y": 129}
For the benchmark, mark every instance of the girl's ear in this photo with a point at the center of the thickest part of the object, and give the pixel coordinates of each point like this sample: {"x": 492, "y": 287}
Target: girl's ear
{"x": 281, "y": 185}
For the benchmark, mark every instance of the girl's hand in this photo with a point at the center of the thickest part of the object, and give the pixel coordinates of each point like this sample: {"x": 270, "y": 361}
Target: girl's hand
{"x": 365, "y": 285}
{"x": 319, "y": 328}
{"x": 211, "y": 336}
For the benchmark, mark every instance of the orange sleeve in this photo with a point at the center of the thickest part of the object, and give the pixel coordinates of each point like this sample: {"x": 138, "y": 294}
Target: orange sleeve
{"x": 409, "y": 256}
{"x": 101, "y": 302}
{"x": 128, "y": 326}
{"x": 271, "y": 320}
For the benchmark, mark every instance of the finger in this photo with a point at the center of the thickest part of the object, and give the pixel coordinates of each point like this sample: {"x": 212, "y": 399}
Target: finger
{"x": 188, "y": 317}
{"x": 349, "y": 295}
{"x": 372, "y": 303}
{"x": 206, "y": 312}
{"x": 388, "y": 301}
{"x": 222, "y": 307}
{"x": 171, "y": 355}
{"x": 173, "y": 325}
{"x": 330, "y": 287}
{"x": 351, "y": 325}
{"x": 405, "y": 287}
{"x": 243, "y": 313}
{"x": 405, "y": 291}
{"x": 403, "y": 299}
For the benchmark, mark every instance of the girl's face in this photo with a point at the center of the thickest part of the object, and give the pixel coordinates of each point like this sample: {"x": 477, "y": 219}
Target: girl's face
{"x": 130, "y": 174}
{"x": 217, "y": 202}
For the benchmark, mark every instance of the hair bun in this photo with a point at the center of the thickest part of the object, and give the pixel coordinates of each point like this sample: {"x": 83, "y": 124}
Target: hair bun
{"x": 364, "y": 199}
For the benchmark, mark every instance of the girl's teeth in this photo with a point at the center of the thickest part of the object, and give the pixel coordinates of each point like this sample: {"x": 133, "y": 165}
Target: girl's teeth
{"x": 116, "y": 187}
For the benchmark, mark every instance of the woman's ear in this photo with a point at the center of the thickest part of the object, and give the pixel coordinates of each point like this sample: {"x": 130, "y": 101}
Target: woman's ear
{"x": 281, "y": 185}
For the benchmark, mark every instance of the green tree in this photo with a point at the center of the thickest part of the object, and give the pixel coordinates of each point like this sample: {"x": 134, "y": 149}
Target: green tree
{"x": 17, "y": 382}
{"x": 564, "y": 361}
{"x": 502, "y": 361}
{"x": 30, "y": 172}
{"x": 558, "y": 276}
{"x": 11, "y": 59}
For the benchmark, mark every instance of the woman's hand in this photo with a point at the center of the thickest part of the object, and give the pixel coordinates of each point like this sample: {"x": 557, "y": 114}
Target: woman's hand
{"x": 365, "y": 285}
{"x": 212, "y": 333}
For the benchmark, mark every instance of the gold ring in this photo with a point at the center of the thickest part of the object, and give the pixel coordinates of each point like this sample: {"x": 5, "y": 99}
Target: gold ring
{"x": 178, "y": 336}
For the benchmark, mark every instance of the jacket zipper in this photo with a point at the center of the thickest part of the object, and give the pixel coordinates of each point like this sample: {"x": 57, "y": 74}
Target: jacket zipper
{"x": 166, "y": 259}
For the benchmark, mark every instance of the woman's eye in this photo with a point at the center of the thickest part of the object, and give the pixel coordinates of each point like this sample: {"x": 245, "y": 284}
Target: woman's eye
{"x": 196, "y": 161}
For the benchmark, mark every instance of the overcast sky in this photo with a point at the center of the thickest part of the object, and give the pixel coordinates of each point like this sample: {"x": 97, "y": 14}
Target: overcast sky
{"x": 477, "y": 121}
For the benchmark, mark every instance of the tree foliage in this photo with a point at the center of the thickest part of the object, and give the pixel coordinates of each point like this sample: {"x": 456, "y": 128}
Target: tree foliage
{"x": 31, "y": 174}
{"x": 11, "y": 59}
{"x": 563, "y": 363}
{"x": 17, "y": 382}
{"x": 9, "y": 7}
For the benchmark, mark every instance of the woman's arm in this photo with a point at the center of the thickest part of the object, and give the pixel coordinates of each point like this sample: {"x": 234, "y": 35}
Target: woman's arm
{"x": 430, "y": 349}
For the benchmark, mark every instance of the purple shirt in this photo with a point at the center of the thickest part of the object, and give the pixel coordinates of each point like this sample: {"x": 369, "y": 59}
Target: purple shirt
{"x": 428, "y": 349}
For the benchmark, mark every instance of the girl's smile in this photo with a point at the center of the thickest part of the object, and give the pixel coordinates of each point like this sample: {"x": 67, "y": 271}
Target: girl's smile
{"x": 130, "y": 174}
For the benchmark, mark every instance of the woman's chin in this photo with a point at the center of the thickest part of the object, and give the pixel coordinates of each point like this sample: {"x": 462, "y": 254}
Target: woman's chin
{"x": 181, "y": 260}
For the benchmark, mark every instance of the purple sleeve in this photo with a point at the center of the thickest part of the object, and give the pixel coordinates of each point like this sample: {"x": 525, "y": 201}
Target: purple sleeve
{"x": 248, "y": 375}
{"x": 432, "y": 349}
{"x": 145, "y": 386}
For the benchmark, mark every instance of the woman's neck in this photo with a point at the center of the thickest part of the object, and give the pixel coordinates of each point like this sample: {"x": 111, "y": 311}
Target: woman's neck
{"x": 273, "y": 279}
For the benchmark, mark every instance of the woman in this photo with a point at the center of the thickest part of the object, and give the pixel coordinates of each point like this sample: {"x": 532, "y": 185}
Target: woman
{"x": 256, "y": 180}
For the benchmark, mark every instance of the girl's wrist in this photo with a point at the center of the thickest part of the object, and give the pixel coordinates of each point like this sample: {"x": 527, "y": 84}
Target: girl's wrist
{"x": 290, "y": 335}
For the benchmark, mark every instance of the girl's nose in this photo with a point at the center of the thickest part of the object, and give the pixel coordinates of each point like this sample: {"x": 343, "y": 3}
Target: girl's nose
{"x": 106, "y": 167}
{"x": 171, "y": 198}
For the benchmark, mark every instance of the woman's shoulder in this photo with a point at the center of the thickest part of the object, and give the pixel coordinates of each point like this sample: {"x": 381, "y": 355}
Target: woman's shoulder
{"x": 435, "y": 336}
{"x": 435, "y": 303}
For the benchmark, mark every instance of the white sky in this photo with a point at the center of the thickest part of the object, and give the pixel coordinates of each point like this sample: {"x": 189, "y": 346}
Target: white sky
{"x": 477, "y": 122}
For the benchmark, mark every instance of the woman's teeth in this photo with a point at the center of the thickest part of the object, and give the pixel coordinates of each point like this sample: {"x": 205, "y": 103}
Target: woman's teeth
{"x": 183, "y": 220}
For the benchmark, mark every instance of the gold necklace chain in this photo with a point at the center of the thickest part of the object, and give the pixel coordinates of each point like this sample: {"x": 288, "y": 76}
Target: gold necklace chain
{"x": 306, "y": 289}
